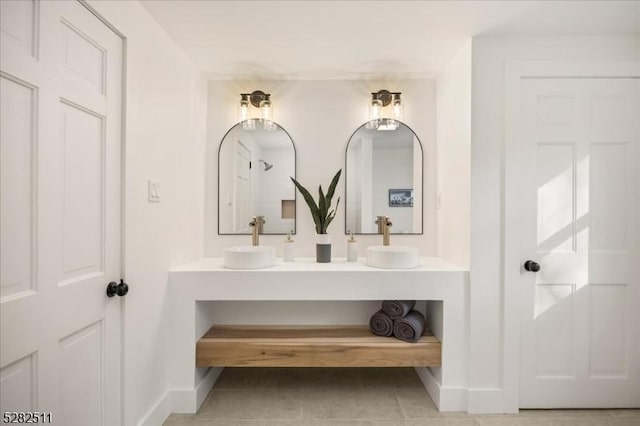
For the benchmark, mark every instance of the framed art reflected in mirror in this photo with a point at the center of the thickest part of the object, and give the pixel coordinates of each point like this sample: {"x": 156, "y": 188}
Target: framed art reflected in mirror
{"x": 401, "y": 198}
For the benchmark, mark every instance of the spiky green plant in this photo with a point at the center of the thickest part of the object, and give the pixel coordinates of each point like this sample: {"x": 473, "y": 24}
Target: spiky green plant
{"x": 321, "y": 212}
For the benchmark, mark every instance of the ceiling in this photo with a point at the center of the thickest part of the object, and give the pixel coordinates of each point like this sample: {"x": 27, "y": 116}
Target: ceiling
{"x": 318, "y": 40}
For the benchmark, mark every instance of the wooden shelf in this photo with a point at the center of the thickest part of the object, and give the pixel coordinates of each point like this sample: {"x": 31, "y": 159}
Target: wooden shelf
{"x": 312, "y": 346}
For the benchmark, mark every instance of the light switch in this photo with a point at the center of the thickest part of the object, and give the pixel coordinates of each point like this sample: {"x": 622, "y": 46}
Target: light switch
{"x": 154, "y": 191}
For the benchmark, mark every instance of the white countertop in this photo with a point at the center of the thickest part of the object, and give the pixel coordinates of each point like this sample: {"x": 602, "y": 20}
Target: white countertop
{"x": 304, "y": 279}
{"x": 211, "y": 264}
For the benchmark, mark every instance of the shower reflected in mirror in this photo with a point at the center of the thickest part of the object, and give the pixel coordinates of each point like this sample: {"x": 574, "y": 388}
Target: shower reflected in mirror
{"x": 254, "y": 166}
{"x": 267, "y": 166}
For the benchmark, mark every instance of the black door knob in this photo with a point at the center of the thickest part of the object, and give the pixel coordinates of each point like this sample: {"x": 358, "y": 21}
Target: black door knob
{"x": 531, "y": 266}
{"x": 114, "y": 288}
{"x": 123, "y": 288}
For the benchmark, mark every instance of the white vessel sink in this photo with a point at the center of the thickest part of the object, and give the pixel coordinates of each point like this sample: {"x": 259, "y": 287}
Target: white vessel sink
{"x": 249, "y": 257}
{"x": 392, "y": 257}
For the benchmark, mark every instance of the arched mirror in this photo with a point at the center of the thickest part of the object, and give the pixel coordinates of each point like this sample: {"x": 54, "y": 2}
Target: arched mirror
{"x": 384, "y": 177}
{"x": 254, "y": 166}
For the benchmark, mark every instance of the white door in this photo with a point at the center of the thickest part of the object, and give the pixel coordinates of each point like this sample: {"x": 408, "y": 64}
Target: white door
{"x": 60, "y": 100}
{"x": 580, "y": 320}
{"x": 242, "y": 193}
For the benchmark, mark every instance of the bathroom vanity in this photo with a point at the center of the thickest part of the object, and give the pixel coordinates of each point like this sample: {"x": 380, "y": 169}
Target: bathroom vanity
{"x": 439, "y": 357}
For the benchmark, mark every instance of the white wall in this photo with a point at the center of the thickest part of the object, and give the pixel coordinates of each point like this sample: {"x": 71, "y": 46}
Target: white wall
{"x": 489, "y": 56}
{"x": 454, "y": 152}
{"x": 320, "y": 116}
{"x": 165, "y": 140}
{"x": 454, "y": 168}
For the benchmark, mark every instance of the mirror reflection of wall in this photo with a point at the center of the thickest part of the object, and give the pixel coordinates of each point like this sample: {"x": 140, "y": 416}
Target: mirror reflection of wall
{"x": 384, "y": 177}
{"x": 254, "y": 167}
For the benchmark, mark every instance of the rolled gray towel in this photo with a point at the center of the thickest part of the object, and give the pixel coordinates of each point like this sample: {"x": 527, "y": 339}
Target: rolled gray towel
{"x": 397, "y": 308}
{"x": 380, "y": 324}
{"x": 409, "y": 328}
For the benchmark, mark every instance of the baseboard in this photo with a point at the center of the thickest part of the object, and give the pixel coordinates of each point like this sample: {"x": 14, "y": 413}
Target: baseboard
{"x": 204, "y": 387}
{"x": 445, "y": 398}
{"x": 430, "y": 383}
{"x": 190, "y": 400}
{"x": 159, "y": 412}
{"x": 486, "y": 401}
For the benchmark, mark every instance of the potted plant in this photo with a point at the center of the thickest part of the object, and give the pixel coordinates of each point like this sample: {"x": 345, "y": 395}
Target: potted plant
{"x": 323, "y": 215}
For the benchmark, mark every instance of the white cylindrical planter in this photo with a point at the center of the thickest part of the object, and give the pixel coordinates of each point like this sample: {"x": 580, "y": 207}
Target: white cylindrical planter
{"x": 323, "y": 248}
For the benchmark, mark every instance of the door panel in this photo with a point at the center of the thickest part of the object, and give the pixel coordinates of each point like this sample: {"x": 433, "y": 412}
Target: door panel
{"x": 554, "y": 330}
{"x": 61, "y": 93}
{"x": 580, "y": 325}
{"x": 83, "y": 188}
{"x": 556, "y": 198}
{"x": 607, "y": 331}
{"x": 18, "y": 25}
{"x": 609, "y": 204}
{"x": 18, "y": 114}
{"x": 82, "y": 375}
{"x": 18, "y": 384}
{"x": 84, "y": 57}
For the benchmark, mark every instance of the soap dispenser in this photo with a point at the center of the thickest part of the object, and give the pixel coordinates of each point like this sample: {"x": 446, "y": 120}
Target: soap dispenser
{"x": 288, "y": 248}
{"x": 352, "y": 248}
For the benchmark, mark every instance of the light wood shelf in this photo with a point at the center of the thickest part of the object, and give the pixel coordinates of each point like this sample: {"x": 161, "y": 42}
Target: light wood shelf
{"x": 312, "y": 346}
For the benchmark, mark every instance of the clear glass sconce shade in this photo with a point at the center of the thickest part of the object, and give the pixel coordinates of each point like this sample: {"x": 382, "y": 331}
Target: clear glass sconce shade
{"x": 249, "y": 118}
{"x": 266, "y": 109}
{"x": 243, "y": 109}
{"x": 375, "y": 109}
{"x": 398, "y": 107}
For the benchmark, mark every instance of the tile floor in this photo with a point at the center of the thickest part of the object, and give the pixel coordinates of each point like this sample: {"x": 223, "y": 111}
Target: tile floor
{"x": 358, "y": 397}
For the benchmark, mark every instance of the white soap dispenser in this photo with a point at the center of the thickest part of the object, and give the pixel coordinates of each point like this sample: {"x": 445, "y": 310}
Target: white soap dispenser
{"x": 352, "y": 248}
{"x": 288, "y": 248}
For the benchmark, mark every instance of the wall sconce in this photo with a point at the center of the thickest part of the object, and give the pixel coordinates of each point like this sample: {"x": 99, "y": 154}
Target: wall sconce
{"x": 260, "y": 100}
{"x": 379, "y": 115}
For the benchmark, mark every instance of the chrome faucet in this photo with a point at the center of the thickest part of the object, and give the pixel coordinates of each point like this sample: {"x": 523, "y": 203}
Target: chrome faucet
{"x": 384, "y": 225}
{"x": 256, "y": 224}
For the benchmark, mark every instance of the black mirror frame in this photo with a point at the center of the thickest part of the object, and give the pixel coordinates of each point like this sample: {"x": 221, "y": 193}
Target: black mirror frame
{"x": 346, "y": 177}
{"x": 295, "y": 175}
